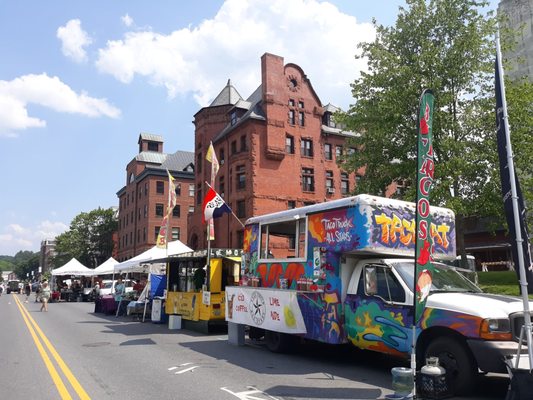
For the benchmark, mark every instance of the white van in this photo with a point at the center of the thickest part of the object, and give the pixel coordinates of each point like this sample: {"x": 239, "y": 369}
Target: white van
{"x": 108, "y": 286}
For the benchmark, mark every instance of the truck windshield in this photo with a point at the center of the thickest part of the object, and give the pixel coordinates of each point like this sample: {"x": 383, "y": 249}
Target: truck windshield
{"x": 445, "y": 278}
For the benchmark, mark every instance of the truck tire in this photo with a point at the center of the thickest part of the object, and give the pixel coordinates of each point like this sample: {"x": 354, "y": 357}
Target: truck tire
{"x": 458, "y": 362}
{"x": 256, "y": 333}
{"x": 278, "y": 342}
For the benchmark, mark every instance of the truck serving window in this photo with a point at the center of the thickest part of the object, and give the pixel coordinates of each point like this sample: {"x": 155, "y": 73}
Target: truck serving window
{"x": 282, "y": 240}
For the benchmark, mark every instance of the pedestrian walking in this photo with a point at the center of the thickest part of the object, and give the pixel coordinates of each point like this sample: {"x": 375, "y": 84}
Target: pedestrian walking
{"x": 45, "y": 296}
{"x": 27, "y": 291}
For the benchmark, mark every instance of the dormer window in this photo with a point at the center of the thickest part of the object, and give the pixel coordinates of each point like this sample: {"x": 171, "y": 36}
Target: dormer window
{"x": 153, "y": 146}
{"x": 233, "y": 117}
{"x": 132, "y": 177}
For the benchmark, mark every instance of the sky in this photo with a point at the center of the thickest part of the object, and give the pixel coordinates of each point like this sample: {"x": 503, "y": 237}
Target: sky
{"x": 79, "y": 81}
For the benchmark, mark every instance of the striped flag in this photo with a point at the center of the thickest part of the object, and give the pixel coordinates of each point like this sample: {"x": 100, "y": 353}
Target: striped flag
{"x": 214, "y": 206}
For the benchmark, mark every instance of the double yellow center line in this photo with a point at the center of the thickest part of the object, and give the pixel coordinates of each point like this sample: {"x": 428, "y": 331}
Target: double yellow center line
{"x": 39, "y": 338}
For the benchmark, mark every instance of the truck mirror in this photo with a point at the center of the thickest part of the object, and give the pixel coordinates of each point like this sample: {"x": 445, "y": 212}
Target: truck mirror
{"x": 371, "y": 281}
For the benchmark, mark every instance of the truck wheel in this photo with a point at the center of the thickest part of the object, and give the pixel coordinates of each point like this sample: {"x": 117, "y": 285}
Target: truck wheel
{"x": 256, "y": 333}
{"x": 457, "y": 361}
{"x": 278, "y": 342}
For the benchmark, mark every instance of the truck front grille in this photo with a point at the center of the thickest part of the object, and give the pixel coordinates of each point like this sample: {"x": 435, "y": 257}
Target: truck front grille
{"x": 517, "y": 321}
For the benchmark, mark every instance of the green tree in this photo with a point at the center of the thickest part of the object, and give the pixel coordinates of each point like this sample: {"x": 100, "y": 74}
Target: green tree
{"x": 89, "y": 239}
{"x": 26, "y": 263}
{"x": 448, "y": 46}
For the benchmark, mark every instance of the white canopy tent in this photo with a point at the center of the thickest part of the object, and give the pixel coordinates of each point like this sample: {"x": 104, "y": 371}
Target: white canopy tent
{"x": 73, "y": 267}
{"x": 107, "y": 267}
{"x": 140, "y": 263}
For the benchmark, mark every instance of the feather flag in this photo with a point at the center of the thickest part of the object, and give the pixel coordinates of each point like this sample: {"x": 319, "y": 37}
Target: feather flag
{"x": 425, "y": 174}
{"x": 162, "y": 236}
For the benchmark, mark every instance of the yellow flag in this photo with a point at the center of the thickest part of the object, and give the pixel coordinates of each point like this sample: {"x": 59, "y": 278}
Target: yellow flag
{"x": 212, "y": 158}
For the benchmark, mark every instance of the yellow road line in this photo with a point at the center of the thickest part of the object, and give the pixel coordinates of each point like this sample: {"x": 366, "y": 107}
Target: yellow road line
{"x": 63, "y": 392}
{"x": 66, "y": 370}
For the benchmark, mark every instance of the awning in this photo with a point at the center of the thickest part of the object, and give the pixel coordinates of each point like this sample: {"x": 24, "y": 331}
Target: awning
{"x": 236, "y": 259}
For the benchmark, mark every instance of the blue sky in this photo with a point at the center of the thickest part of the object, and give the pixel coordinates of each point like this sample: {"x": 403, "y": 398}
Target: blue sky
{"x": 80, "y": 80}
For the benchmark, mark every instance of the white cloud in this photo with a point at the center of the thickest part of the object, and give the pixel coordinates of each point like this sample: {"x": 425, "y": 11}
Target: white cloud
{"x": 199, "y": 60}
{"x": 127, "y": 20}
{"x": 17, "y": 237}
{"x": 73, "y": 40}
{"x": 48, "y": 92}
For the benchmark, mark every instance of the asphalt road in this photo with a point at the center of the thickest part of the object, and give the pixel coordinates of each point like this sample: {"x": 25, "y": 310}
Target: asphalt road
{"x": 103, "y": 357}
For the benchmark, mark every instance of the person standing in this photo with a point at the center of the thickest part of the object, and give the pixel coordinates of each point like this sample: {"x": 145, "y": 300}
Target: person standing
{"x": 27, "y": 291}
{"x": 45, "y": 296}
{"x": 120, "y": 289}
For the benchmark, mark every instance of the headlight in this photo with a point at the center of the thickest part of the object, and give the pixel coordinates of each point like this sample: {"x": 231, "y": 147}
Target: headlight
{"x": 496, "y": 329}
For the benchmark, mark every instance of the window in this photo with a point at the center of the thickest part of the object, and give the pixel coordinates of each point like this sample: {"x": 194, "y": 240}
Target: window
{"x": 385, "y": 283}
{"x": 145, "y": 189}
{"x": 291, "y": 204}
{"x": 301, "y": 104}
{"x": 191, "y": 209}
{"x": 338, "y": 151}
{"x": 175, "y": 233}
{"x": 159, "y": 210}
{"x": 199, "y": 194}
{"x": 144, "y": 234}
{"x": 309, "y": 203}
{"x": 178, "y": 190}
{"x": 357, "y": 180}
{"x": 241, "y": 177}
{"x": 306, "y": 147}
{"x": 191, "y": 190}
{"x": 291, "y": 103}
{"x": 308, "y": 180}
{"x": 138, "y": 235}
{"x": 156, "y": 232}
{"x": 329, "y": 182}
{"x": 131, "y": 215}
{"x": 241, "y": 209}
{"x": 126, "y": 237}
{"x": 221, "y": 155}
{"x": 128, "y": 200}
{"x": 351, "y": 151}
{"x": 160, "y": 187}
{"x": 301, "y": 118}
{"x": 233, "y": 118}
{"x": 145, "y": 210}
{"x": 221, "y": 186}
{"x": 139, "y": 214}
{"x": 285, "y": 239}
{"x": 153, "y": 146}
{"x": 345, "y": 184}
{"x": 176, "y": 212}
{"x": 291, "y": 117}
{"x": 328, "y": 151}
{"x": 233, "y": 147}
{"x": 243, "y": 144}
{"x": 199, "y": 162}
{"x": 240, "y": 239}
{"x": 289, "y": 144}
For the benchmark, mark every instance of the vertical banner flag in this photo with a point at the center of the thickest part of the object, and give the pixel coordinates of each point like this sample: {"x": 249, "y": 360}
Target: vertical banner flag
{"x": 425, "y": 173}
{"x": 212, "y": 158}
{"x": 162, "y": 236}
{"x": 214, "y": 205}
{"x": 502, "y": 135}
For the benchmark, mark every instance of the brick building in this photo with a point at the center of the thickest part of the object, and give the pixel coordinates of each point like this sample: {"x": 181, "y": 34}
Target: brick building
{"x": 47, "y": 253}
{"x": 277, "y": 149}
{"x": 143, "y": 201}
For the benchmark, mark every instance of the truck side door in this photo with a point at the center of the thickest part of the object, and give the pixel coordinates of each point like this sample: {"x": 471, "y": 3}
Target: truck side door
{"x": 377, "y": 316}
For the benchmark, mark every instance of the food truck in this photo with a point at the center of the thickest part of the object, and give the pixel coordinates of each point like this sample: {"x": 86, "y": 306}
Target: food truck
{"x": 343, "y": 271}
{"x": 195, "y": 290}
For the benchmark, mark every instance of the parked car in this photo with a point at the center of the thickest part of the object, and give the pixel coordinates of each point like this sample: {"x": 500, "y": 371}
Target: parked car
{"x": 108, "y": 286}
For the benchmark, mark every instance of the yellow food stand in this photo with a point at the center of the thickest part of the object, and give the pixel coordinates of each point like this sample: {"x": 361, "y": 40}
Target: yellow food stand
{"x": 196, "y": 291}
